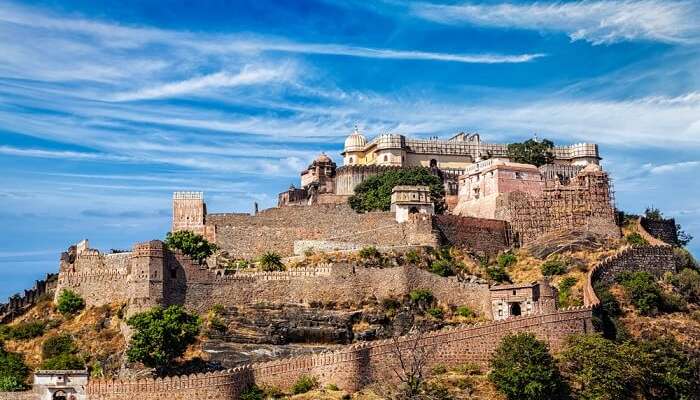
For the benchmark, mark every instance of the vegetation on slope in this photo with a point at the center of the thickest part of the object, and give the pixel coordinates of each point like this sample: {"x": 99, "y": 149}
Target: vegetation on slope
{"x": 374, "y": 193}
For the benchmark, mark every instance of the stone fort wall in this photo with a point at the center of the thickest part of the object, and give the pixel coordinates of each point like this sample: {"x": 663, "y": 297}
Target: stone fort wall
{"x": 354, "y": 366}
{"x": 19, "y": 304}
{"x": 664, "y": 230}
{"x": 276, "y": 229}
{"x": 484, "y": 236}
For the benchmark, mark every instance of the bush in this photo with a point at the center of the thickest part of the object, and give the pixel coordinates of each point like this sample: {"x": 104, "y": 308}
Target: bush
{"x": 369, "y": 252}
{"x": 252, "y": 393}
{"x": 507, "y": 259}
{"x": 13, "y": 371}
{"x": 643, "y": 291}
{"x": 304, "y": 384}
{"x": 635, "y": 239}
{"x": 436, "y": 312}
{"x": 596, "y": 368}
{"x": 271, "y": 261}
{"x": 26, "y": 330}
{"x": 57, "y": 345}
{"x": 439, "y": 369}
{"x": 412, "y": 257}
{"x": 668, "y": 373}
{"x": 553, "y": 266}
{"x": 63, "y": 362}
{"x": 191, "y": 244}
{"x": 688, "y": 284}
{"x": 161, "y": 335}
{"x": 523, "y": 369}
{"x": 374, "y": 193}
{"x": 389, "y": 303}
{"x": 421, "y": 296}
{"x": 441, "y": 267}
{"x": 464, "y": 311}
{"x": 531, "y": 151}
{"x": 684, "y": 259}
{"x": 497, "y": 274}
{"x": 70, "y": 303}
{"x": 564, "y": 295}
{"x": 332, "y": 387}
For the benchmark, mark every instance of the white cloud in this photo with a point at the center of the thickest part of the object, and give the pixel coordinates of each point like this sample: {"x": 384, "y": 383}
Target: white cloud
{"x": 598, "y": 22}
{"x": 64, "y": 155}
{"x": 673, "y": 167}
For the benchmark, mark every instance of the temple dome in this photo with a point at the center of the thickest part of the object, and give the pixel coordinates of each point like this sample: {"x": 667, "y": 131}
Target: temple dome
{"x": 323, "y": 158}
{"x": 356, "y": 141}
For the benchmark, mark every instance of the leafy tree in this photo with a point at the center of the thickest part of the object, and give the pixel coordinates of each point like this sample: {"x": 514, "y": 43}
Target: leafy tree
{"x": 465, "y": 311}
{"x": 421, "y": 296}
{"x": 683, "y": 238}
{"x": 252, "y": 393}
{"x": 565, "y": 292}
{"x": 436, "y": 312}
{"x": 597, "y": 368}
{"x": 532, "y": 152}
{"x": 553, "y": 266}
{"x": 191, "y": 244}
{"x": 374, "y": 193}
{"x": 497, "y": 274}
{"x": 441, "y": 267}
{"x": 161, "y": 335}
{"x": 271, "y": 261}
{"x": 643, "y": 291}
{"x": 635, "y": 239}
{"x": 369, "y": 252}
{"x": 13, "y": 371}
{"x": 412, "y": 257}
{"x": 653, "y": 214}
{"x": 523, "y": 369}
{"x": 688, "y": 284}
{"x": 506, "y": 259}
{"x": 69, "y": 302}
{"x": 668, "y": 372}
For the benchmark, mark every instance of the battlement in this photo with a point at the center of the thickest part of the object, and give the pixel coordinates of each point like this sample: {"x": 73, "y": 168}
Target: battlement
{"x": 188, "y": 195}
{"x": 154, "y": 248}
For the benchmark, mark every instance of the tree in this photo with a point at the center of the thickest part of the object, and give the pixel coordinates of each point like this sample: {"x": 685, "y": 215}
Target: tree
{"x": 597, "y": 368}
{"x": 532, "y": 152}
{"x": 523, "y": 369}
{"x": 13, "y": 371}
{"x": 374, "y": 193}
{"x": 191, "y": 244}
{"x": 161, "y": 335}
{"x": 271, "y": 261}
{"x": 70, "y": 302}
{"x": 643, "y": 291}
{"x": 668, "y": 373}
{"x": 653, "y": 213}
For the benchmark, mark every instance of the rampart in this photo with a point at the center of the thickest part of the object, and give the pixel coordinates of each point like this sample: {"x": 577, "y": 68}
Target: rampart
{"x": 664, "y": 230}
{"x": 354, "y": 366}
{"x": 276, "y": 229}
{"x": 486, "y": 236}
{"x": 18, "y": 304}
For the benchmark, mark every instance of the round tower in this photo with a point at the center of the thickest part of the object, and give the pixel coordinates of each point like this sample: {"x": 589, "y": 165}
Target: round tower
{"x": 353, "y": 152}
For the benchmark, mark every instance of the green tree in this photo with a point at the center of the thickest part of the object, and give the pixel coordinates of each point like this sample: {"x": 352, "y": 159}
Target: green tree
{"x": 668, "y": 372}
{"x": 653, "y": 214}
{"x": 374, "y": 193}
{"x": 63, "y": 362}
{"x": 271, "y": 261}
{"x": 553, "y": 266}
{"x": 13, "y": 371}
{"x": 532, "y": 152}
{"x": 643, "y": 291}
{"x": 69, "y": 302}
{"x": 161, "y": 335}
{"x": 597, "y": 368}
{"x": 688, "y": 284}
{"x": 191, "y": 244}
{"x": 523, "y": 369}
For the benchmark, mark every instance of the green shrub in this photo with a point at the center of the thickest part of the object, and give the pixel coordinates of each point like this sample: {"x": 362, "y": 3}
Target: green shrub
{"x": 564, "y": 295}
{"x": 304, "y": 384}
{"x": 436, "y": 312}
{"x": 468, "y": 368}
{"x": 667, "y": 371}
{"x": 597, "y": 368}
{"x": 553, "y": 266}
{"x": 13, "y": 371}
{"x": 506, "y": 259}
{"x": 369, "y": 252}
{"x": 389, "y": 303}
{"x": 643, "y": 291}
{"x": 161, "y": 335}
{"x": 688, "y": 284}
{"x": 464, "y": 311}
{"x": 523, "y": 369}
{"x": 497, "y": 274}
{"x": 374, "y": 193}
{"x": 424, "y": 296}
{"x": 57, "y": 345}
{"x": 531, "y": 151}
{"x": 271, "y": 261}
{"x": 439, "y": 369}
{"x": 412, "y": 257}
{"x": 69, "y": 302}
{"x": 635, "y": 239}
{"x": 332, "y": 387}
{"x": 435, "y": 391}
{"x": 441, "y": 267}
{"x": 252, "y": 393}
{"x": 191, "y": 244}
{"x": 27, "y": 330}
{"x": 63, "y": 362}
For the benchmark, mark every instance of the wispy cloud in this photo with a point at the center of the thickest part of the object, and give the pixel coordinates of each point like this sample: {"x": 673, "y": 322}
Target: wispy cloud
{"x": 598, "y": 22}
{"x": 60, "y": 154}
{"x": 672, "y": 167}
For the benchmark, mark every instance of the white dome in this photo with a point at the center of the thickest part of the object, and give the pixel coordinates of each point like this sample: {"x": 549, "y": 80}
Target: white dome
{"x": 356, "y": 141}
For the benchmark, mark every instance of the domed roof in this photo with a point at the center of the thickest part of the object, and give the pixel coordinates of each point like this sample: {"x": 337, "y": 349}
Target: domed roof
{"x": 356, "y": 141}
{"x": 323, "y": 158}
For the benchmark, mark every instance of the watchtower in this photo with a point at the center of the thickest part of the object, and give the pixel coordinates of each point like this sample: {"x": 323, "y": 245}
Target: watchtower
{"x": 189, "y": 211}
{"x": 406, "y": 200}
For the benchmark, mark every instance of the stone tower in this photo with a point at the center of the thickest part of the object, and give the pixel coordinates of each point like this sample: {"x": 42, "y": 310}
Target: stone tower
{"x": 189, "y": 211}
{"x": 145, "y": 285}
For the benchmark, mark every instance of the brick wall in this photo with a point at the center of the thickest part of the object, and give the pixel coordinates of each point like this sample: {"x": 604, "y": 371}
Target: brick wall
{"x": 276, "y": 229}
{"x": 486, "y": 236}
{"x": 354, "y": 366}
{"x": 664, "y": 230}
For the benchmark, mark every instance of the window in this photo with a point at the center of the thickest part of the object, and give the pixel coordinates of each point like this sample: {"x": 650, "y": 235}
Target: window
{"x": 518, "y": 175}
{"x": 386, "y": 158}
{"x": 350, "y": 160}
{"x": 514, "y": 292}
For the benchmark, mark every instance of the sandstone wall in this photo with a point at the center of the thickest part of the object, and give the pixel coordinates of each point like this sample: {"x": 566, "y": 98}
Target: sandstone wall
{"x": 18, "y": 304}
{"x": 28, "y": 395}
{"x": 354, "y": 366}
{"x": 97, "y": 278}
{"x": 664, "y": 230}
{"x": 276, "y": 229}
{"x": 485, "y": 236}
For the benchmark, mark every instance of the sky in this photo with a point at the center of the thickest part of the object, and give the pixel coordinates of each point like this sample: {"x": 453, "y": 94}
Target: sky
{"x": 106, "y": 108}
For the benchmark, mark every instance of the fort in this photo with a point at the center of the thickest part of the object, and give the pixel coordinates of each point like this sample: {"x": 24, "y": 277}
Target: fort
{"x": 494, "y": 205}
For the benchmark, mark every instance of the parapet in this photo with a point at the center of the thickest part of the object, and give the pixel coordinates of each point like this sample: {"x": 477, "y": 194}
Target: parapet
{"x": 188, "y": 195}
{"x": 153, "y": 248}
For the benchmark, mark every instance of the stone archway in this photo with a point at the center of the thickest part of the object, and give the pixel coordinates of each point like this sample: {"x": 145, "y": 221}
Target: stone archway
{"x": 515, "y": 309}
{"x": 413, "y": 210}
{"x": 59, "y": 395}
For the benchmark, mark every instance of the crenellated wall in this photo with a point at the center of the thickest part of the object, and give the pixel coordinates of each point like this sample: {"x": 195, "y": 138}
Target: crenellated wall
{"x": 354, "y": 366}
{"x": 18, "y": 304}
{"x": 663, "y": 230}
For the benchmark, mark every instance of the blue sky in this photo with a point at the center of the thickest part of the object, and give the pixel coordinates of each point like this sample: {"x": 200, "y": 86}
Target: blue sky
{"x": 106, "y": 108}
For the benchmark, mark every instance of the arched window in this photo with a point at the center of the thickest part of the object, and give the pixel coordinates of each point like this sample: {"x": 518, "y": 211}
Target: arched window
{"x": 515, "y": 309}
{"x": 413, "y": 210}
{"x": 386, "y": 158}
{"x": 350, "y": 160}
{"x": 59, "y": 395}
{"x": 433, "y": 163}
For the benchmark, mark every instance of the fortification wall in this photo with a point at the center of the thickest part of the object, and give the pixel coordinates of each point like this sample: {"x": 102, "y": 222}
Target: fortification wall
{"x": 348, "y": 177}
{"x": 354, "y": 366}
{"x": 486, "y": 236}
{"x": 664, "y": 230}
{"x": 19, "y": 304}
{"x": 199, "y": 288}
{"x": 98, "y": 278}
{"x": 28, "y": 395}
{"x": 276, "y": 229}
